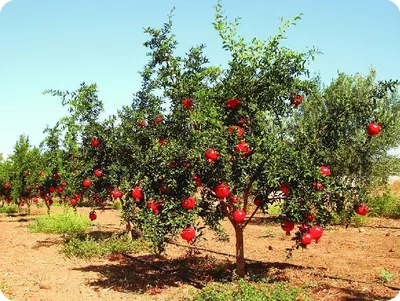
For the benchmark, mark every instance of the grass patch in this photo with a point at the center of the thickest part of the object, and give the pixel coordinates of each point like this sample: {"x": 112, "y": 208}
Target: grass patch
{"x": 86, "y": 246}
{"x": 386, "y": 276}
{"x": 117, "y": 205}
{"x": 245, "y": 290}
{"x": 9, "y": 209}
{"x": 275, "y": 209}
{"x": 385, "y": 205}
{"x": 66, "y": 222}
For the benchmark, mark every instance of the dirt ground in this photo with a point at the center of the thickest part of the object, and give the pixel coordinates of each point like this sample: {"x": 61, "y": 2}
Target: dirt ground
{"x": 345, "y": 265}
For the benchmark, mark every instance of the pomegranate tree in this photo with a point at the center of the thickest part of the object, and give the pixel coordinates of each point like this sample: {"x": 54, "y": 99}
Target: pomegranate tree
{"x": 288, "y": 141}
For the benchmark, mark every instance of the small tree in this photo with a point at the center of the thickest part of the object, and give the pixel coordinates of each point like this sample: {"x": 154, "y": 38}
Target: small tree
{"x": 24, "y": 171}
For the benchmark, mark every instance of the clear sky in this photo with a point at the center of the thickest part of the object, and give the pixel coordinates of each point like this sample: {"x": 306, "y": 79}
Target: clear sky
{"x": 59, "y": 44}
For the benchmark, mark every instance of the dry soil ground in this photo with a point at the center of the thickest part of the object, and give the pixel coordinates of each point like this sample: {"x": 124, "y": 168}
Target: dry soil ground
{"x": 345, "y": 265}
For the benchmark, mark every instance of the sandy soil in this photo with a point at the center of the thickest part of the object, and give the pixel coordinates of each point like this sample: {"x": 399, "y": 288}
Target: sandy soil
{"x": 345, "y": 265}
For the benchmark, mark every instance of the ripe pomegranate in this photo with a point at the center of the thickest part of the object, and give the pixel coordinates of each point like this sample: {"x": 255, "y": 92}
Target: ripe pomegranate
{"x": 239, "y": 216}
{"x": 165, "y": 190}
{"x": 50, "y": 202}
{"x": 258, "y": 201}
{"x": 188, "y": 103}
{"x": 35, "y": 200}
{"x": 222, "y": 191}
{"x": 318, "y": 186}
{"x": 158, "y": 119}
{"x": 26, "y": 173}
{"x": 73, "y": 202}
{"x": 63, "y": 184}
{"x": 86, "y": 183}
{"x": 232, "y": 103}
{"x": 243, "y": 147}
{"x": 373, "y": 129}
{"x": 141, "y": 123}
{"x": 197, "y": 180}
{"x": 52, "y": 189}
{"x": 95, "y": 142}
{"x": 285, "y": 188}
{"x": 75, "y": 171}
{"x": 361, "y": 209}
{"x": 98, "y": 173}
{"x": 309, "y": 216}
{"x": 28, "y": 188}
{"x": 41, "y": 174}
{"x": 154, "y": 207}
{"x": 211, "y": 155}
{"x": 296, "y": 100}
{"x": 189, "y": 203}
{"x": 303, "y": 228}
{"x": 306, "y": 239}
{"x": 325, "y": 170}
{"x": 188, "y": 234}
{"x": 237, "y": 128}
{"x": 316, "y": 233}
{"x": 137, "y": 194}
{"x": 287, "y": 226}
{"x": 116, "y": 194}
{"x": 92, "y": 215}
{"x": 162, "y": 141}
{"x": 6, "y": 185}
{"x": 234, "y": 199}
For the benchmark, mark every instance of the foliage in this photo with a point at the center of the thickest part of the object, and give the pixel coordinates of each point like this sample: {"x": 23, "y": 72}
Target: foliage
{"x": 65, "y": 222}
{"x": 117, "y": 205}
{"x": 9, "y": 209}
{"x": 245, "y": 290}
{"x": 85, "y": 246}
{"x": 386, "y": 276}
{"x": 385, "y": 205}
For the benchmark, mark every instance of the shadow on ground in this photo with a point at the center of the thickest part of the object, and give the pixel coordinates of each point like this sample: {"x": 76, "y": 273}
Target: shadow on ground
{"x": 151, "y": 273}
{"x": 265, "y": 220}
{"x": 47, "y": 243}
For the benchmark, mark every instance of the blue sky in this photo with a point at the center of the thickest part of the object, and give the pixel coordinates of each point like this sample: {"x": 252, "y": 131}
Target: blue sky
{"x": 59, "y": 44}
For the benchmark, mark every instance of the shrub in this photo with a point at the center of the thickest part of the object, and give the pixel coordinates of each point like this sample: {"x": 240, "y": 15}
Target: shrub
{"x": 86, "y": 246}
{"x": 9, "y": 209}
{"x": 66, "y": 222}
{"x": 386, "y": 276}
{"x": 117, "y": 205}
{"x": 245, "y": 290}
{"x": 385, "y": 205}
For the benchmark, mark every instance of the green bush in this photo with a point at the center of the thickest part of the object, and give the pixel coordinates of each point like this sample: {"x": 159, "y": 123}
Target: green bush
{"x": 9, "y": 209}
{"x": 245, "y": 290}
{"x": 117, "y": 205}
{"x": 86, "y": 246}
{"x": 275, "y": 209}
{"x": 66, "y": 222}
{"x": 385, "y": 205}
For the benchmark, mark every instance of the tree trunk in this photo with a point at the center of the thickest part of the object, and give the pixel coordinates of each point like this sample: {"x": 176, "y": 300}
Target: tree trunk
{"x": 133, "y": 233}
{"x": 28, "y": 211}
{"x": 129, "y": 230}
{"x": 240, "y": 262}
